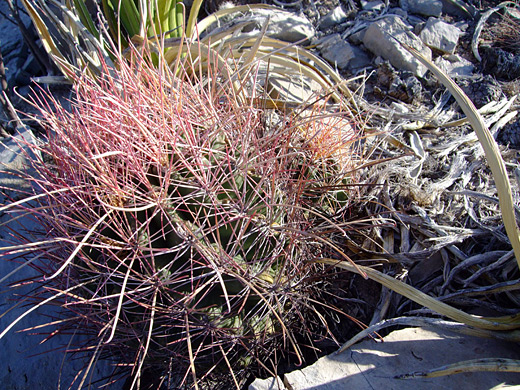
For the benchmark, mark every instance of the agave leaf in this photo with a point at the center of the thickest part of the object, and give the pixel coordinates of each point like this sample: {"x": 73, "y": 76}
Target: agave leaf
{"x": 113, "y": 26}
{"x": 496, "y": 163}
{"x": 85, "y": 18}
{"x": 192, "y": 18}
{"x": 494, "y": 323}
{"x": 128, "y": 14}
{"x": 474, "y": 365}
{"x": 51, "y": 48}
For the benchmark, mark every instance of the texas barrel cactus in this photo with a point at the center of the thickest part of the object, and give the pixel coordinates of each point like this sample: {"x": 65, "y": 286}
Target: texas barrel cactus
{"x": 181, "y": 225}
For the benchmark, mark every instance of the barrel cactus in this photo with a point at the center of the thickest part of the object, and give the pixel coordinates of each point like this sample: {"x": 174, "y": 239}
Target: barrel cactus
{"x": 182, "y": 222}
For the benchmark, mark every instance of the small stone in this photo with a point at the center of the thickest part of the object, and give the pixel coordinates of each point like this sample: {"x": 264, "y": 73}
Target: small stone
{"x": 360, "y": 60}
{"x": 292, "y": 89}
{"x": 455, "y": 66}
{"x": 357, "y": 37}
{"x": 422, "y": 7}
{"x": 440, "y": 35}
{"x": 334, "y": 17}
{"x": 399, "y": 12}
{"x": 336, "y": 51}
{"x": 460, "y": 9}
{"x": 375, "y": 5}
{"x": 383, "y": 38}
{"x": 283, "y": 25}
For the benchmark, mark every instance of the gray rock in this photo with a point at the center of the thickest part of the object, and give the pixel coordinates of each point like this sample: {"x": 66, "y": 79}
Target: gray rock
{"x": 455, "y": 66}
{"x": 374, "y": 5}
{"x": 440, "y": 35}
{"x": 370, "y": 365}
{"x": 285, "y": 26}
{"x": 379, "y": 39}
{"x": 334, "y": 17}
{"x": 360, "y": 60}
{"x": 422, "y": 7}
{"x": 267, "y": 384}
{"x": 292, "y": 89}
{"x": 336, "y": 51}
{"x": 458, "y": 8}
{"x": 357, "y": 37}
{"x": 398, "y": 11}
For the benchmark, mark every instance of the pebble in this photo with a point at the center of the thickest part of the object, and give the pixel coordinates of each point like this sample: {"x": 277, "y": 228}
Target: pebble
{"x": 334, "y": 17}
{"x": 422, "y": 7}
{"x": 337, "y": 51}
{"x": 382, "y": 38}
{"x": 440, "y": 36}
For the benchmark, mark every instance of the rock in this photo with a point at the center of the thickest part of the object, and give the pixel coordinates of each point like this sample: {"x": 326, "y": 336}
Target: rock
{"x": 440, "y": 35}
{"x": 374, "y": 5}
{"x": 379, "y": 39}
{"x": 458, "y": 8}
{"x": 336, "y": 51}
{"x": 510, "y": 134}
{"x": 370, "y": 365}
{"x": 422, "y": 7}
{"x": 360, "y": 60}
{"x": 292, "y": 89}
{"x": 334, "y": 17}
{"x": 267, "y": 384}
{"x": 283, "y": 25}
{"x": 357, "y": 37}
{"x": 455, "y": 66}
{"x": 399, "y": 12}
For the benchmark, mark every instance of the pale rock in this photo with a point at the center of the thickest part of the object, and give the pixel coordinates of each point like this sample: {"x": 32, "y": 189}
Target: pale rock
{"x": 455, "y": 66}
{"x": 370, "y": 365}
{"x": 422, "y": 7}
{"x": 357, "y": 37}
{"x": 285, "y": 26}
{"x": 379, "y": 39}
{"x": 440, "y": 35}
{"x": 334, "y": 17}
{"x": 336, "y": 51}
{"x": 267, "y": 384}
{"x": 374, "y": 5}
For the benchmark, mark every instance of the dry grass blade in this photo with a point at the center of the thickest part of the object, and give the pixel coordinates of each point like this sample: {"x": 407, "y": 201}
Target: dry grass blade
{"x": 498, "y": 323}
{"x": 475, "y": 365}
{"x": 46, "y": 38}
{"x": 480, "y": 25}
{"x": 426, "y": 322}
{"x": 495, "y": 161}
